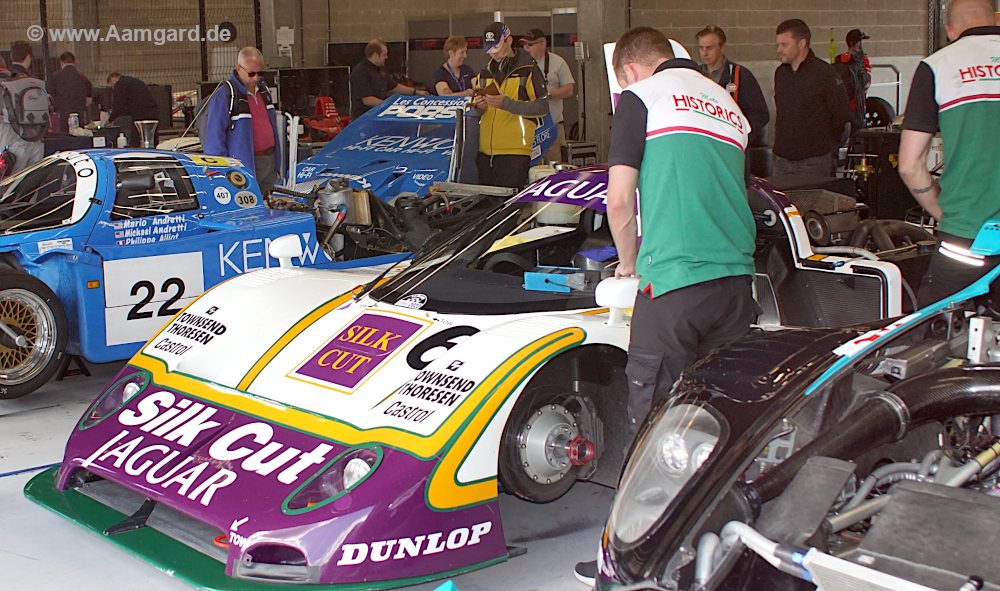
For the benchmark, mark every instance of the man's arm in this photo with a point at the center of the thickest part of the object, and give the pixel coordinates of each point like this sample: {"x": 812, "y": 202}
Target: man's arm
{"x": 567, "y": 85}
{"x": 217, "y": 124}
{"x": 625, "y": 156}
{"x": 913, "y": 148}
{"x": 919, "y": 126}
{"x": 753, "y": 104}
{"x": 622, "y": 183}
{"x": 537, "y": 107}
{"x": 837, "y": 102}
{"x": 117, "y": 102}
{"x": 403, "y": 89}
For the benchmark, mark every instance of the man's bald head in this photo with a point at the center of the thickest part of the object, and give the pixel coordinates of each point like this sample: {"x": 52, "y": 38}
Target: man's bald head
{"x": 966, "y": 14}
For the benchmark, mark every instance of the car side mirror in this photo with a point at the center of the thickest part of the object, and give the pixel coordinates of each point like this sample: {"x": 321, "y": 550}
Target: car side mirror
{"x": 137, "y": 182}
{"x": 285, "y": 248}
{"x": 987, "y": 242}
{"x": 617, "y": 295}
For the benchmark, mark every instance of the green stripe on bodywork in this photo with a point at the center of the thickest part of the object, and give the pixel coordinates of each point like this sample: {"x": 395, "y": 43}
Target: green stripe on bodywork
{"x": 176, "y": 559}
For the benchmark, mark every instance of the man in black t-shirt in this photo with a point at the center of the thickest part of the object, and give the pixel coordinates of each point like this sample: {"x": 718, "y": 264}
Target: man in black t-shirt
{"x": 370, "y": 83}
{"x": 810, "y": 104}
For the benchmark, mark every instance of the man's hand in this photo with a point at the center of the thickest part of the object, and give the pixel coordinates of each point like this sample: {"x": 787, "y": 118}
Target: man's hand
{"x": 422, "y": 93}
{"x": 625, "y": 269}
{"x": 493, "y": 100}
{"x": 479, "y": 101}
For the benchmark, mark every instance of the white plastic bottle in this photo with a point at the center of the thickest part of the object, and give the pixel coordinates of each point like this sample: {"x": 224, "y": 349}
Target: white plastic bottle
{"x": 122, "y": 140}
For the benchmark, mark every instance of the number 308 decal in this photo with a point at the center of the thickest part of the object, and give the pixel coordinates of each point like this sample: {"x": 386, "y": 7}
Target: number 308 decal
{"x": 172, "y": 283}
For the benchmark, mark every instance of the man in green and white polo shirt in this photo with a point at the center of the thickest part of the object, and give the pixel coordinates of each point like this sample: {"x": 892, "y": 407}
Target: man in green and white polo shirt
{"x": 679, "y": 138}
{"x": 956, "y": 90}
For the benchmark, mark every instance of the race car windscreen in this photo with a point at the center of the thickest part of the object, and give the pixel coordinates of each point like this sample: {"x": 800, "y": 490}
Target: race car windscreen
{"x": 39, "y": 198}
{"x": 499, "y": 264}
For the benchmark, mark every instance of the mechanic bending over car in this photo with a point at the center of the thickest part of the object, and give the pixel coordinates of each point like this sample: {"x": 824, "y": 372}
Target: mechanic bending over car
{"x": 954, "y": 90}
{"x": 510, "y": 100}
{"x": 695, "y": 262}
{"x": 242, "y": 122}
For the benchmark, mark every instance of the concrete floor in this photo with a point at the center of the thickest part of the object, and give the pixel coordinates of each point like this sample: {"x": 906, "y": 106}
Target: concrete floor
{"x": 40, "y": 551}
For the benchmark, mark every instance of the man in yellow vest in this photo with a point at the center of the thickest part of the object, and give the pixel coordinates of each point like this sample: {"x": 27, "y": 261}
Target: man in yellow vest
{"x": 511, "y": 100}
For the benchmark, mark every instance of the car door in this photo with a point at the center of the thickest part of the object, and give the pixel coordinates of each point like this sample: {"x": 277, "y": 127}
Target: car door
{"x": 152, "y": 247}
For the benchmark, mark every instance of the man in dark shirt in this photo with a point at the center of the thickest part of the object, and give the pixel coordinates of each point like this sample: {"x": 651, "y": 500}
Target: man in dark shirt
{"x": 20, "y": 58}
{"x": 131, "y": 102}
{"x": 370, "y": 83}
{"x": 736, "y": 79}
{"x": 70, "y": 91}
{"x": 810, "y": 103}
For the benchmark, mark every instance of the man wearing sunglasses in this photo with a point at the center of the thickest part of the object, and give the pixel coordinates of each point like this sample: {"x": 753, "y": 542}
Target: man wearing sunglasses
{"x": 242, "y": 123}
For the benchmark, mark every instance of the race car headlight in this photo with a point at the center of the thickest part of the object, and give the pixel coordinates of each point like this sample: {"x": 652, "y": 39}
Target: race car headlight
{"x": 671, "y": 453}
{"x": 355, "y": 470}
{"x": 337, "y": 478}
{"x": 114, "y": 397}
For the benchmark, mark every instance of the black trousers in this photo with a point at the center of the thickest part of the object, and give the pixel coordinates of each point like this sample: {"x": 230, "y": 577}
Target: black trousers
{"x": 672, "y": 331}
{"x": 945, "y": 275}
{"x": 503, "y": 171}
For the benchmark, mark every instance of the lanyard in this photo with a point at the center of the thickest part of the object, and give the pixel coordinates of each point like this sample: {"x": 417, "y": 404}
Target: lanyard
{"x": 460, "y": 80}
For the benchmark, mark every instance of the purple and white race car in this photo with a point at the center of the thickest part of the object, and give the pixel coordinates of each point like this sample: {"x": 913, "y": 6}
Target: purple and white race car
{"x": 338, "y": 428}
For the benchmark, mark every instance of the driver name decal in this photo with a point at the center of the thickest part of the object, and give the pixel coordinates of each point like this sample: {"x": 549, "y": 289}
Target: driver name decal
{"x": 357, "y": 350}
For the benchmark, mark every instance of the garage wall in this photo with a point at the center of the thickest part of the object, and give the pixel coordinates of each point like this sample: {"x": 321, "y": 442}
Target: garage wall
{"x": 361, "y": 20}
{"x": 898, "y": 31}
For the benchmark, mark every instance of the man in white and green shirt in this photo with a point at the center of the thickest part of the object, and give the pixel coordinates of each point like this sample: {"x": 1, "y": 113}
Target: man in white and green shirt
{"x": 680, "y": 139}
{"x": 677, "y": 137}
{"x": 956, "y": 90}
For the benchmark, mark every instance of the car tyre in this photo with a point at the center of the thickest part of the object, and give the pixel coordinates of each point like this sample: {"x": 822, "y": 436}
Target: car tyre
{"x": 32, "y": 310}
{"x": 878, "y": 112}
{"x": 533, "y": 464}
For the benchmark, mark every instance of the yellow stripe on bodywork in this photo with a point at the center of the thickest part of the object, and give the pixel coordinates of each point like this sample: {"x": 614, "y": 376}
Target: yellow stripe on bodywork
{"x": 290, "y": 335}
{"x": 458, "y": 432}
{"x": 444, "y": 492}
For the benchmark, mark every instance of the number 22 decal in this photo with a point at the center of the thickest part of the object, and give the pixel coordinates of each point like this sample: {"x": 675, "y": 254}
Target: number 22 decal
{"x": 136, "y": 312}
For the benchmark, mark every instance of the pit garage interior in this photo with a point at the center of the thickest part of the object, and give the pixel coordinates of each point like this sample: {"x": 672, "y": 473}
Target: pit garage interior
{"x": 310, "y": 48}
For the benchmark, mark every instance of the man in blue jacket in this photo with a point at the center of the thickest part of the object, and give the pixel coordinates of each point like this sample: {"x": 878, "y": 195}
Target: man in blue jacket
{"x": 241, "y": 120}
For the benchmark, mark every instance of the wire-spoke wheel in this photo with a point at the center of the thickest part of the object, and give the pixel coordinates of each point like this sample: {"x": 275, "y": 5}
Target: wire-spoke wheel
{"x": 35, "y": 340}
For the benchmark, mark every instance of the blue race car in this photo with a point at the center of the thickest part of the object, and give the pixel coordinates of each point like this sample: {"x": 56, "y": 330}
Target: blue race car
{"x": 99, "y": 249}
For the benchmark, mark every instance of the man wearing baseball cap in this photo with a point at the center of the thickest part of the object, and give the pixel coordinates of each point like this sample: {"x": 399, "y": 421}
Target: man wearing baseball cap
{"x": 856, "y": 72}
{"x": 510, "y": 99}
{"x": 559, "y": 83}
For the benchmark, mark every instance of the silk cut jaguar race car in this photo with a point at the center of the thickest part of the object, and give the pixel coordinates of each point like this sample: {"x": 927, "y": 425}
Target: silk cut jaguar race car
{"x": 357, "y": 436}
{"x": 839, "y": 459}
